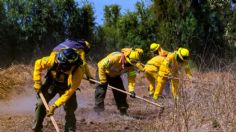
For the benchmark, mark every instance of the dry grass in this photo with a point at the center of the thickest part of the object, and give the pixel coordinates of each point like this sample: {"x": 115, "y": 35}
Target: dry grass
{"x": 13, "y": 79}
{"x": 208, "y": 106}
{"x": 202, "y": 106}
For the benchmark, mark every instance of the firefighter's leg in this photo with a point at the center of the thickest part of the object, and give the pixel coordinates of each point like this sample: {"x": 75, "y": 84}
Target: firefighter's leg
{"x": 100, "y": 94}
{"x": 70, "y": 120}
{"x": 151, "y": 81}
{"x": 159, "y": 87}
{"x": 40, "y": 110}
{"x": 120, "y": 98}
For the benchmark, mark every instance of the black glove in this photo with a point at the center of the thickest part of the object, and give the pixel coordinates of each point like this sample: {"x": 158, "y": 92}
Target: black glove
{"x": 132, "y": 94}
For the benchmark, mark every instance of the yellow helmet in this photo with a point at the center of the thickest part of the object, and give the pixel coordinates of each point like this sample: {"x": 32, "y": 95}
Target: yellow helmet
{"x": 139, "y": 50}
{"x": 133, "y": 57}
{"x": 183, "y": 53}
{"x": 154, "y": 47}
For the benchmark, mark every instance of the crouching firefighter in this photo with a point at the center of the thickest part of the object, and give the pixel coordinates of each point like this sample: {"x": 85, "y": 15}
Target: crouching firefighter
{"x": 171, "y": 67}
{"x": 109, "y": 70}
{"x": 63, "y": 77}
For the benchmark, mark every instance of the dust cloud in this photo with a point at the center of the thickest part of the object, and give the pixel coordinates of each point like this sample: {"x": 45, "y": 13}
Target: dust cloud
{"x": 18, "y": 104}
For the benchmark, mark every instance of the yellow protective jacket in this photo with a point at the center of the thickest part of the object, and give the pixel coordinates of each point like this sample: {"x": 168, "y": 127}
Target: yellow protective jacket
{"x": 113, "y": 65}
{"x": 138, "y": 65}
{"x": 82, "y": 56}
{"x": 73, "y": 80}
{"x": 170, "y": 66}
{"x": 153, "y": 64}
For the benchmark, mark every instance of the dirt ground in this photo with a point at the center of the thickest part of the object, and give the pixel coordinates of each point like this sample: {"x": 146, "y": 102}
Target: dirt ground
{"x": 17, "y": 114}
{"x": 202, "y": 107}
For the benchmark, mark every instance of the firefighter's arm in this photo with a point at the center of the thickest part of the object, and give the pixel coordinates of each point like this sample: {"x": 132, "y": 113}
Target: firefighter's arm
{"x": 40, "y": 65}
{"x": 87, "y": 72}
{"x": 86, "y": 68}
{"x": 74, "y": 82}
{"x": 82, "y": 56}
{"x": 140, "y": 66}
{"x": 188, "y": 71}
{"x": 102, "y": 66}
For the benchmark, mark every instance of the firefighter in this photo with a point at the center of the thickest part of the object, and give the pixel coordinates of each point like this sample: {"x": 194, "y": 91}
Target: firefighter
{"x": 109, "y": 70}
{"x": 152, "y": 68}
{"x": 170, "y": 67}
{"x": 64, "y": 75}
{"x": 151, "y": 71}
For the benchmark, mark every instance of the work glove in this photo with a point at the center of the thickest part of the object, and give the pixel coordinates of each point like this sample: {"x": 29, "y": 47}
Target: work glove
{"x": 132, "y": 94}
{"x": 51, "y": 110}
{"x": 37, "y": 86}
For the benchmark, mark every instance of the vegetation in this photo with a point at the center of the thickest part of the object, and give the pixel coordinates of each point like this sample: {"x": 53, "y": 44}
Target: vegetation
{"x": 31, "y": 28}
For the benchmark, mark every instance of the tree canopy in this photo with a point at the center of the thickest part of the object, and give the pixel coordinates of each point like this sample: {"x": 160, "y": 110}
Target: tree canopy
{"x": 31, "y": 28}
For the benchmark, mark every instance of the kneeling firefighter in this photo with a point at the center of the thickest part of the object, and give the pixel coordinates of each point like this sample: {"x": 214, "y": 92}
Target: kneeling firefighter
{"x": 64, "y": 75}
{"x": 109, "y": 70}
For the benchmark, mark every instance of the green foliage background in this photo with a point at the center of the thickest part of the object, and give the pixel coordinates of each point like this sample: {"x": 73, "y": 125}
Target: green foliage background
{"x": 31, "y": 28}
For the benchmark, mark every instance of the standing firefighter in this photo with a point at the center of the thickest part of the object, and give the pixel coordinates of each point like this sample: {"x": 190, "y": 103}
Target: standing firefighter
{"x": 109, "y": 70}
{"x": 169, "y": 68}
{"x": 82, "y": 47}
{"x": 64, "y": 75}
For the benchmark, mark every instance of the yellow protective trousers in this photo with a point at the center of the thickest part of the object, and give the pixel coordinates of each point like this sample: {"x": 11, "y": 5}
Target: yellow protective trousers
{"x": 161, "y": 84}
{"x": 151, "y": 75}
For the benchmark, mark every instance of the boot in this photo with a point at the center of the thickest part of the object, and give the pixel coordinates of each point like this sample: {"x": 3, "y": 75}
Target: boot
{"x": 123, "y": 112}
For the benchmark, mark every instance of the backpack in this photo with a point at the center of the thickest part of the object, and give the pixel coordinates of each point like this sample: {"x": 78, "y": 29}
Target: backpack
{"x": 72, "y": 44}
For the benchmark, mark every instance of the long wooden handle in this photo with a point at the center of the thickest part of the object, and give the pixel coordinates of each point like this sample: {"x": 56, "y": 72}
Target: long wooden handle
{"x": 47, "y": 108}
{"x": 138, "y": 97}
